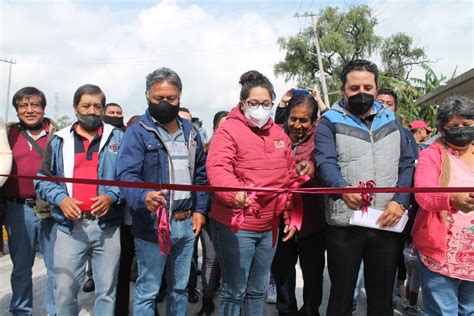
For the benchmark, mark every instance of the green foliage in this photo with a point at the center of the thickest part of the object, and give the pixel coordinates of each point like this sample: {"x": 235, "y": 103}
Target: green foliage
{"x": 344, "y": 36}
{"x": 348, "y": 35}
{"x": 409, "y": 90}
{"x": 399, "y": 55}
{"x": 63, "y": 121}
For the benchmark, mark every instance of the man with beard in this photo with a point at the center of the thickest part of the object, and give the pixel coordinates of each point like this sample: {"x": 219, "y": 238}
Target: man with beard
{"x": 27, "y": 232}
{"x": 359, "y": 140}
{"x": 161, "y": 147}
{"x": 88, "y": 215}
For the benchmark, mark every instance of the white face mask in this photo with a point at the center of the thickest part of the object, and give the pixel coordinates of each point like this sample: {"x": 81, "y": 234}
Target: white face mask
{"x": 258, "y": 116}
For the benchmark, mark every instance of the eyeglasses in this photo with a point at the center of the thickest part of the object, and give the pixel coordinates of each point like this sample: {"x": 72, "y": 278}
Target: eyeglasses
{"x": 253, "y": 104}
{"x": 25, "y": 106}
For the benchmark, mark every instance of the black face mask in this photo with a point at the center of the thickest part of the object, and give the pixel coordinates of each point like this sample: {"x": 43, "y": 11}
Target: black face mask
{"x": 32, "y": 128}
{"x": 459, "y": 136}
{"x": 89, "y": 122}
{"x": 114, "y": 121}
{"x": 360, "y": 103}
{"x": 164, "y": 112}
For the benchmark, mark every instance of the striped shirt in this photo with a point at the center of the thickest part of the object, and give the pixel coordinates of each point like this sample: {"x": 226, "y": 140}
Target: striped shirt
{"x": 179, "y": 155}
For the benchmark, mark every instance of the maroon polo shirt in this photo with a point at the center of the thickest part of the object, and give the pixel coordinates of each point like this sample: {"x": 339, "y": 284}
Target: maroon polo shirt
{"x": 86, "y": 163}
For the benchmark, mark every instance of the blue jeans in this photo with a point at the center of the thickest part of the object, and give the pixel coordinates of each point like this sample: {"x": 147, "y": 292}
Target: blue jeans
{"x": 151, "y": 264}
{"x": 27, "y": 234}
{"x": 445, "y": 296}
{"x": 70, "y": 257}
{"x": 245, "y": 259}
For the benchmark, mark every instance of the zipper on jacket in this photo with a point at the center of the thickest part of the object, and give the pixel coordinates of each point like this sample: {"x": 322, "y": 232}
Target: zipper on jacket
{"x": 373, "y": 142}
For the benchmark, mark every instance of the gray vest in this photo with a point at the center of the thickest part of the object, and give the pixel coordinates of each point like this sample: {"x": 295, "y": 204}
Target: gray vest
{"x": 363, "y": 155}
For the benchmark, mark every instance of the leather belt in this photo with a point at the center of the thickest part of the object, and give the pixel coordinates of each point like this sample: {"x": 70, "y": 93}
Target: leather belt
{"x": 180, "y": 215}
{"x": 88, "y": 216}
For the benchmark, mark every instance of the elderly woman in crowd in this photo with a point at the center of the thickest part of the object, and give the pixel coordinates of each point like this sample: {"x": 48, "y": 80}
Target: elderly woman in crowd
{"x": 444, "y": 227}
{"x": 301, "y": 113}
{"x": 248, "y": 150}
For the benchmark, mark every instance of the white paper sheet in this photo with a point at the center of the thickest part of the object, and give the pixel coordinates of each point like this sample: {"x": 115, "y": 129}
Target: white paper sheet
{"x": 368, "y": 220}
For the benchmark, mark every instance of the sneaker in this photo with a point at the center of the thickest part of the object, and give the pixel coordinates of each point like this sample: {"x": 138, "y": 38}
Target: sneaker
{"x": 411, "y": 310}
{"x": 89, "y": 286}
{"x": 405, "y": 309}
{"x": 271, "y": 293}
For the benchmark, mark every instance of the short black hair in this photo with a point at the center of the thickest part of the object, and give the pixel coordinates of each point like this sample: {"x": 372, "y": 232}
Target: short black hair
{"x": 359, "y": 65}
{"x": 88, "y": 89}
{"x": 28, "y": 92}
{"x": 252, "y": 79}
{"x": 217, "y": 117}
{"x": 112, "y": 104}
{"x": 452, "y": 106}
{"x": 183, "y": 109}
{"x": 388, "y": 91}
{"x": 303, "y": 99}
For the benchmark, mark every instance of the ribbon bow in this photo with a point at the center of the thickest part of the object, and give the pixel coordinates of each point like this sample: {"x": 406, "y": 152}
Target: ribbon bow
{"x": 297, "y": 210}
{"x": 163, "y": 230}
{"x": 366, "y": 197}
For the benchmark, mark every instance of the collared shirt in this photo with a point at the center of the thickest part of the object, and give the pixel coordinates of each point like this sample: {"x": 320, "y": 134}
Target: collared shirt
{"x": 179, "y": 162}
{"x": 86, "y": 162}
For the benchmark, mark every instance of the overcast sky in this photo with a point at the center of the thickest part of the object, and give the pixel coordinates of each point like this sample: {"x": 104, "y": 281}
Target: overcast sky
{"x": 60, "y": 45}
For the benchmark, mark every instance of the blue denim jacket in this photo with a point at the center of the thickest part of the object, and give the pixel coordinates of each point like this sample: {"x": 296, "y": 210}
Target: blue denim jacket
{"x": 57, "y": 162}
{"x": 143, "y": 158}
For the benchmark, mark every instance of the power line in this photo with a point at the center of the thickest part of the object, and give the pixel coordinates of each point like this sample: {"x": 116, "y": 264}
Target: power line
{"x": 322, "y": 78}
{"x": 166, "y": 57}
{"x": 7, "y": 95}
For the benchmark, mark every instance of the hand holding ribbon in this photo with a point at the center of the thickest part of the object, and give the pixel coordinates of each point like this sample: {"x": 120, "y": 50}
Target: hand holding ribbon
{"x": 243, "y": 201}
{"x": 366, "y": 197}
{"x": 282, "y": 202}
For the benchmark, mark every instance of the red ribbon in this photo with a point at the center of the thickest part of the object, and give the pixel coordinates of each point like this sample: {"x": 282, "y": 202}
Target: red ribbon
{"x": 366, "y": 196}
{"x": 297, "y": 209}
{"x": 280, "y": 204}
{"x": 208, "y": 188}
{"x": 239, "y": 213}
{"x": 163, "y": 230}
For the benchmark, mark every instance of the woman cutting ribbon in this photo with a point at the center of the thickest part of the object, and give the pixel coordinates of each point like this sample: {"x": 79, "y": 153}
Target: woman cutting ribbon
{"x": 249, "y": 149}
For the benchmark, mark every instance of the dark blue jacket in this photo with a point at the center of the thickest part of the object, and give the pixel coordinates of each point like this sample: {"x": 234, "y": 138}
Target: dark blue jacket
{"x": 143, "y": 158}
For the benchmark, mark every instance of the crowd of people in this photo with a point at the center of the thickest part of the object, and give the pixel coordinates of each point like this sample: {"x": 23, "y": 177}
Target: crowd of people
{"x": 247, "y": 234}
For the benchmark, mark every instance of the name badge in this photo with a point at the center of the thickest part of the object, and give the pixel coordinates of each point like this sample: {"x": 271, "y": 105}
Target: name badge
{"x": 279, "y": 143}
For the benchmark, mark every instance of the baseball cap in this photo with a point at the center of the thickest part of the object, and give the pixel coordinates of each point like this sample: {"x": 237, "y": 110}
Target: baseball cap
{"x": 419, "y": 124}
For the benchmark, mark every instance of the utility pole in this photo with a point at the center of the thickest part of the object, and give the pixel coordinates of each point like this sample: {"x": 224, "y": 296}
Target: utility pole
{"x": 7, "y": 97}
{"x": 322, "y": 78}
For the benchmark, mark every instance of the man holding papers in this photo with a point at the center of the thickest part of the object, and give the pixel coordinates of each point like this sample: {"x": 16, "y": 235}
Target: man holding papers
{"x": 359, "y": 140}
